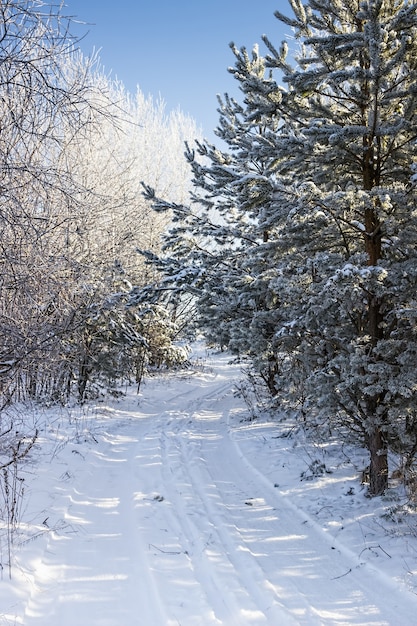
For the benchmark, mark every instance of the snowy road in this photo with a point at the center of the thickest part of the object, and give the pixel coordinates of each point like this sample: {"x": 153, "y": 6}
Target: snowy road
{"x": 165, "y": 521}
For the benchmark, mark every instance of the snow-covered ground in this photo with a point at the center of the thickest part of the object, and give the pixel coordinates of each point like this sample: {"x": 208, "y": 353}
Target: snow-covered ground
{"x": 170, "y": 508}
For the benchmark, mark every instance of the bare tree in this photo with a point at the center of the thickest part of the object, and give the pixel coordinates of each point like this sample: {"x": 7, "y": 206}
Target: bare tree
{"x": 115, "y": 221}
{"x": 43, "y": 93}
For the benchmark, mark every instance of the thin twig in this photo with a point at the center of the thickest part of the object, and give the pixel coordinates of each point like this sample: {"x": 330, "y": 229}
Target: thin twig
{"x": 151, "y": 545}
{"x": 374, "y": 548}
{"x": 342, "y": 575}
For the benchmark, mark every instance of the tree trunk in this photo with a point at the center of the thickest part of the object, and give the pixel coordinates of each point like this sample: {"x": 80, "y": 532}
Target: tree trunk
{"x": 83, "y": 378}
{"x": 378, "y": 468}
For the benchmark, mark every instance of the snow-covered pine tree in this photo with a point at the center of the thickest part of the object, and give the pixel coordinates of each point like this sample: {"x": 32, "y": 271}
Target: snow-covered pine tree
{"x": 200, "y": 252}
{"x": 215, "y": 247}
{"x": 344, "y": 215}
{"x": 316, "y": 201}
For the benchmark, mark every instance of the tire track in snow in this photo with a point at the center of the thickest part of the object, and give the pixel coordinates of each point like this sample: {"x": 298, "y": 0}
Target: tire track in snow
{"x": 168, "y": 541}
{"x": 278, "y": 557}
{"x": 210, "y": 541}
{"x": 248, "y": 527}
{"x": 219, "y": 554}
{"x": 239, "y": 581}
{"x": 354, "y": 599}
{"x": 195, "y": 534}
{"x": 381, "y": 591}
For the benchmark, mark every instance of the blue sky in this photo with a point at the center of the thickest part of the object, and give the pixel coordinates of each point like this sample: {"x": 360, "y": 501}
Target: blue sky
{"x": 177, "y": 49}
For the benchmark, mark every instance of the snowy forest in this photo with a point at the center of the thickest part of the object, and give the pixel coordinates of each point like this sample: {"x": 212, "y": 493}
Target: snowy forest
{"x": 208, "y": 351}
{"x": 298, "y": 243}
{"x": 292, "y": 243}
{"x": 74, "y": 148}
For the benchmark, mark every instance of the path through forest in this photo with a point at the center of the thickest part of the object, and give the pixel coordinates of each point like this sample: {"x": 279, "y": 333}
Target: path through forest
{"x": 164, "y": 517}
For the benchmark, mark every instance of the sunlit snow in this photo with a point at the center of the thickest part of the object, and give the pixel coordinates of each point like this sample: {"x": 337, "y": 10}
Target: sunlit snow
{"x": 171, "y": 507}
